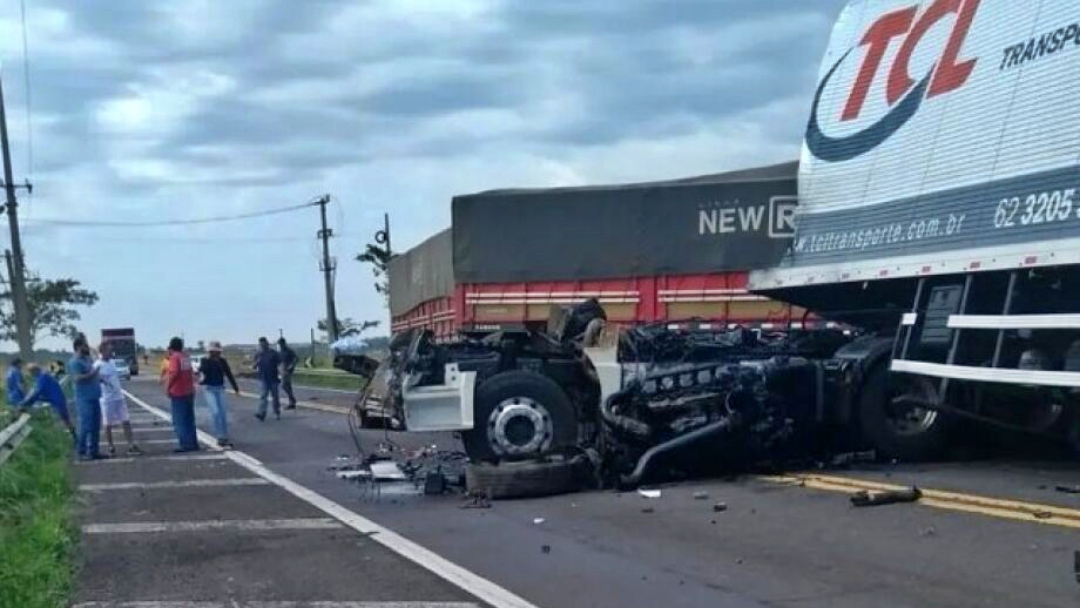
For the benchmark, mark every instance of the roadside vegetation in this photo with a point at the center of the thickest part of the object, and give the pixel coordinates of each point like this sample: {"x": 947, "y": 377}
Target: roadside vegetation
{"x": 328, "y": 379}
{"x": 37, "y": 530}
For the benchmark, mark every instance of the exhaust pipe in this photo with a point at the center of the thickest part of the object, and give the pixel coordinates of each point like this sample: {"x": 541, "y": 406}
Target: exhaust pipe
{"x": 634, "y": 479}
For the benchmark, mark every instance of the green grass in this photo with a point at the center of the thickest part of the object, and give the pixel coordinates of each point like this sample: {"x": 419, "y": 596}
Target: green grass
{"x": 342, "y": 381}
{"x": 37, "y": 531}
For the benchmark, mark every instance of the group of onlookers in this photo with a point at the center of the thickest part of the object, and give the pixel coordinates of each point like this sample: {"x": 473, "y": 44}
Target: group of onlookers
{"x": 99, "y": 397}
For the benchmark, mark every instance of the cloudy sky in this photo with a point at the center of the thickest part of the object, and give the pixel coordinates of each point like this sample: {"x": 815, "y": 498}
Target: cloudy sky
{"x": 153, "y": 109}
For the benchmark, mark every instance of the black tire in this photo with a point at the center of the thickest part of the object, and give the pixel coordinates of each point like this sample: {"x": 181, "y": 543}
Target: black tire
{"x": 519, "y": 384}
{"x": 874, "y": 422}
{"x": 526, "y": 479}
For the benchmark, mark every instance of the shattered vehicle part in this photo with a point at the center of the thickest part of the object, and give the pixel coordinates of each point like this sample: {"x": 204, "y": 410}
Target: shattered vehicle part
{"x": 865, "y": 498}
{"x": 524, "y": 479}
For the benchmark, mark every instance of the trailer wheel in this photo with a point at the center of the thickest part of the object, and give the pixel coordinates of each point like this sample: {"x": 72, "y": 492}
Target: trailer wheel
{"x": 520, "y": 415}
{"x": 898, "y": 430}
{"x": 526, "y": 479}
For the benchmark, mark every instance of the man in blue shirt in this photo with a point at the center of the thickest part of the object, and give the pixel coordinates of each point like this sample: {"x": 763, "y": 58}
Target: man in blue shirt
{"x": 267, "y": 362}
{"x": 47, "y": 389}
{"x": 13, "y": 382}
{"x": 87, "y": 400}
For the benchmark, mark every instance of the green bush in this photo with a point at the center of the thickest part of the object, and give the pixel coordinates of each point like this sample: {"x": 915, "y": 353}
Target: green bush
{"x": 37, "y": 530}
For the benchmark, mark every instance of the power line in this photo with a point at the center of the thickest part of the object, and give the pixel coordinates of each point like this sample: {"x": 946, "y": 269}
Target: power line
{"x": 177, "y": 222}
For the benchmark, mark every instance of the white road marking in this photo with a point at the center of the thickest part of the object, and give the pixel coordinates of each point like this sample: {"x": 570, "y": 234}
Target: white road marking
{"x": 275, "y": 604}
{"x": 148, "y": 527}
{"x": 187, "y": 483}
{"x": 171, "y": 457}
{"x": 470, "y": 582}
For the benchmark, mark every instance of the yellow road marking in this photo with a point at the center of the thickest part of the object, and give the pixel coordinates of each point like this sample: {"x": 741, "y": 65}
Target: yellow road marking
{"x": 952, "y": 501}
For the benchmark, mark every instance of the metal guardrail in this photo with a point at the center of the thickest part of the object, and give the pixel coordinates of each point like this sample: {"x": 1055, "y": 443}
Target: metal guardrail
{"x": 13, "y": 435}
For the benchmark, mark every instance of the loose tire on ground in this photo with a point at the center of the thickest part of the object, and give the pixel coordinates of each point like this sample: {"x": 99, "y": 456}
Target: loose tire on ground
{"x": 526, "y": 385}
{"x": 874, "y": 422}
{"x": 525, "y": 479}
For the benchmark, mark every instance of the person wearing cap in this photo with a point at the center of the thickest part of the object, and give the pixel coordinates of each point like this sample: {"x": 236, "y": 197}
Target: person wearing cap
{"x": 47, "y": 389}
{"x": 179, "y": 383}
{"x": 13, "y": 382}
{"x": 214, "y": 371}
{"x": 288, "y": 366}
{"x": 114, "y": 410}
{"x": 87, "y": 396}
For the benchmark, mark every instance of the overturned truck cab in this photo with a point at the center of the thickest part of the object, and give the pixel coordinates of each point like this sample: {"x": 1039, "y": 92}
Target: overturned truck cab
{"x": 638, "y": 403}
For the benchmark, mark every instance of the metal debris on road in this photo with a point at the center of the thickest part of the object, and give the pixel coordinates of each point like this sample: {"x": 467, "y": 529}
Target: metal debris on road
{"x": 477, "y": 500}
{"x": 719, "y": 507}
{"x": 649, "y": 493}
{"x": 864, "y": 498}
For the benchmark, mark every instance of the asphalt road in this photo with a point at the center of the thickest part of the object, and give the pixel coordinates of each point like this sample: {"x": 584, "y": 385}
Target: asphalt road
{"x": 776, "y": 545}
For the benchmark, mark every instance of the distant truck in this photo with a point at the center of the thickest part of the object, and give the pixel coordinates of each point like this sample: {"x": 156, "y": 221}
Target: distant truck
{"x": 124, "y": 346}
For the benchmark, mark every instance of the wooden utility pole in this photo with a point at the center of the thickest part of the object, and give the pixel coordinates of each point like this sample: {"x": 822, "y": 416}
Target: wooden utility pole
{"x": 18, "y": 265}
{"x": 327, "y": 266}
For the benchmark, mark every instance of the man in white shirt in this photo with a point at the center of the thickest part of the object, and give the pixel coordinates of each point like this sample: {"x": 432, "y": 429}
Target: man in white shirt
{"x": 114, "y": 409}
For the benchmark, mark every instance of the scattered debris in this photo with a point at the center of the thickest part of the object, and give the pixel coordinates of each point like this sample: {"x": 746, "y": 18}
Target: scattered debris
{"x": 349, "y": 475}
{"x": 1043, "y": 514}
{"x": 1068, "y": 489}
{"x": 387, "y": 470}
{"x": 1076, "y": 564}
{"x": 545, "y": 549}
{"x": 477, "y": 500}
{"x": 739, "y": 561}
{"x": 647, "y": 510}
{"x": 873, "y": 499}
{"x": 700, "y": 495}
{"x": 538, "y": 520}
{"x": 649, "y": 493}
{"x": 849, "y": 458}
{"x": 931, "y": 531}
{"x": 719, "y": 507}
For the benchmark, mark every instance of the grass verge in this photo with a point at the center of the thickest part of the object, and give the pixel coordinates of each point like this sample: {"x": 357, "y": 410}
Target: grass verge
{"x": 343, "y": 381}
{"x": 37, "y": 531}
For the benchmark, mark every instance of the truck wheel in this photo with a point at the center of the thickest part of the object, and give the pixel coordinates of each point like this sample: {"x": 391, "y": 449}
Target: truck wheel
{"x": 525, "y": 479}
{"x": 897, "y": 430}
{"x": 519, "y": 415}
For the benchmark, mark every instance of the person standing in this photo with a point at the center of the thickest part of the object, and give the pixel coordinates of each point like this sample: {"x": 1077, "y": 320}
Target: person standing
{"x": 267, "y": 362}
{"x": 47, "y": 389}
{"x": 288, "y": 366}
{"x": 87, "y": 396}
{"x": 13, "y": 382}
{"x": 215, "y": 371}
{"x": 114, "y": 410}
{"x": 180, "y": 386}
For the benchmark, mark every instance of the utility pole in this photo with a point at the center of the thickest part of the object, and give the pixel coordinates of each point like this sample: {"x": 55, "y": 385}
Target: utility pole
{"x": 18, "y": 265}
{"x": 327, "y": 266}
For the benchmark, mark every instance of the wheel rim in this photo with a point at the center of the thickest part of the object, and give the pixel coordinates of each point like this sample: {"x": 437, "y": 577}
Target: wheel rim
{"x": 906, "y": 419}
{"x": 519, "y": 426}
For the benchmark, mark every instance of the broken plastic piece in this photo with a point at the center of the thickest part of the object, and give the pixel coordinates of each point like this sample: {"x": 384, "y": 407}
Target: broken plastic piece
{"x": 538, "y": 520}
{"x": 649, "y": 493}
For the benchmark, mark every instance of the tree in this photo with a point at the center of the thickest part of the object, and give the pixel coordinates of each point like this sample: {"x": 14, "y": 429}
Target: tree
{"x": 348, "y": 327}
{"x": 53, "y": 308}
{"x": 379, "y": 258}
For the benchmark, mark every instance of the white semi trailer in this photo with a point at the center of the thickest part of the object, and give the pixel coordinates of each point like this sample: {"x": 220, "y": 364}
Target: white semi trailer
{"x": 939, "y": 204}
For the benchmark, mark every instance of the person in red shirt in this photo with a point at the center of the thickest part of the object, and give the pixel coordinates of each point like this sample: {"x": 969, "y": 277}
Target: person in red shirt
{"x": 179, "y": 380}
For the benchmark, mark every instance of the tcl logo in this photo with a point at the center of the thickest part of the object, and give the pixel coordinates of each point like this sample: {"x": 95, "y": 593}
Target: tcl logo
{"x": 903, "y": 94}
